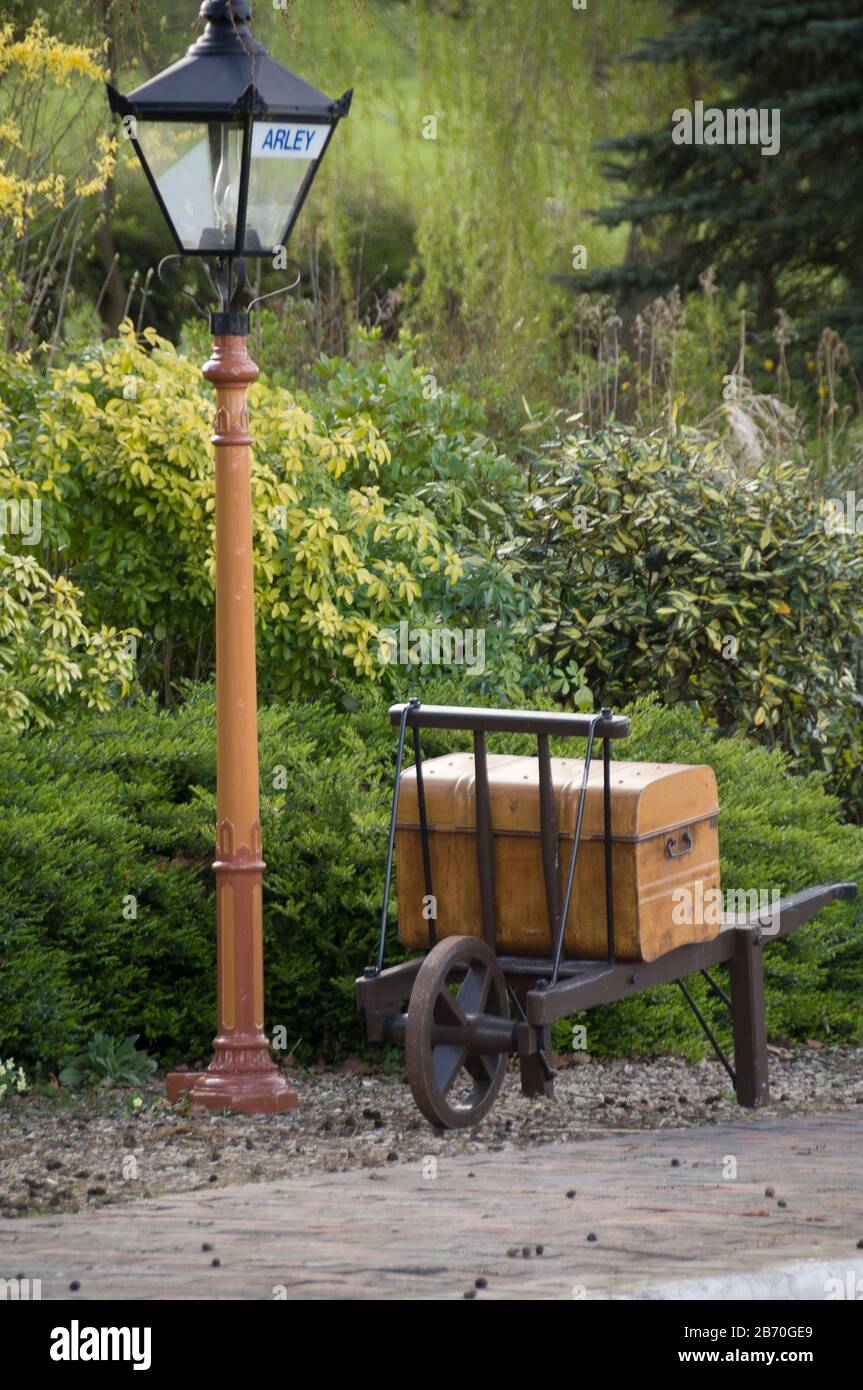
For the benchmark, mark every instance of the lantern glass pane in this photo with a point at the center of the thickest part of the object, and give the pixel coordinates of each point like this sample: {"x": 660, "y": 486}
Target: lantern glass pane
{"x": 196, "y": 168}
{"x": 282, "y": 155}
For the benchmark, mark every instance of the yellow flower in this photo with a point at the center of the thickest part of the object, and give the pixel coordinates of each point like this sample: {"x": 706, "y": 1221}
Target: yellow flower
{"x": 768, "y": 364}
{"x": 11, "y": 132}
{"x": 39, "y": 52}
{"x": 35, "y": 61}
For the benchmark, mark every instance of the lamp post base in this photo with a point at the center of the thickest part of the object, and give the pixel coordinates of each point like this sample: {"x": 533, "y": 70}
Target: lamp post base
{"x": 250, "y": 1093}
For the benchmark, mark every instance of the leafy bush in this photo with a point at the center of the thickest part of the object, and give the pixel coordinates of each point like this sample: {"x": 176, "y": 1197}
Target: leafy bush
{"x": 654, "y": 573}
{"x": 106, "y": 900}
{"x": 115, "y": 1060}
{"x": 436, "y": 435}
{"x": 441, "y": 455}
{"x": 12, "y": 1078}
{"x": 118, "y": 445}
{"x": 48, "y": 657}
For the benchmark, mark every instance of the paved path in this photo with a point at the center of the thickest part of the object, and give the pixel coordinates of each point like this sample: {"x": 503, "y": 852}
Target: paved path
{"x": 663, "y": 1227}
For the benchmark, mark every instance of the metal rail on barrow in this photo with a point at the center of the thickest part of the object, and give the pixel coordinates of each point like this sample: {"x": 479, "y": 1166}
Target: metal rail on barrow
{"x": 480, "y": 722}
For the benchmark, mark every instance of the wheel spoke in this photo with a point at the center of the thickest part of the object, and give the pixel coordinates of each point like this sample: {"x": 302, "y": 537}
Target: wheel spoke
{"x": 447, "y": 1062}
{"x": 483, "y": 1068}
{"x": 448, "y": 1009}
{"x": 473, "y": 993}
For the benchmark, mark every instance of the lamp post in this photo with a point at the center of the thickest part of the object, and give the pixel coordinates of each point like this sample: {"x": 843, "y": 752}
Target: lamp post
{"x": 231, "y": 141}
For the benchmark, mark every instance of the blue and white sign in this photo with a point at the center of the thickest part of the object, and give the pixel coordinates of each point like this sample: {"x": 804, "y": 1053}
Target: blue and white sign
{"x": 274, "y": 140}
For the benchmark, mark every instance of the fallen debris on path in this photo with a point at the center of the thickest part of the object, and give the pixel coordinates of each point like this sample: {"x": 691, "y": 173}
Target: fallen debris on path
{"x": 78, "y": 1149}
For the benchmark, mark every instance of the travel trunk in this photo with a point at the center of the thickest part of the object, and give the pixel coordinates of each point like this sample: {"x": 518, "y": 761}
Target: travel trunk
{"x": 665, "y": 843}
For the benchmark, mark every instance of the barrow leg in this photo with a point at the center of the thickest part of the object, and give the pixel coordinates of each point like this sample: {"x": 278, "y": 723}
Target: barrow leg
{"x": 535, "y": 1080}
{"x": 750, "y": 1029}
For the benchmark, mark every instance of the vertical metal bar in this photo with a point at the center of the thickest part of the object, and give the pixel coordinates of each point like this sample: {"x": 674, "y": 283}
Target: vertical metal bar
{"x": 548, "y": 837}
{"x": 379, "y": 962}
{"x": 424, "y": 837}
{"x": 576, "y": 840}
{"x": 606, "y": 812}
{"x": 747, "y": 1008}
{"x": 484, "y": 840}
{"x": 245, "y": 176}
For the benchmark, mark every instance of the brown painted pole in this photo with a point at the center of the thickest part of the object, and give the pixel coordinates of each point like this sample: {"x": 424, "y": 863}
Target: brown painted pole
{"x": 242, "y": 1075}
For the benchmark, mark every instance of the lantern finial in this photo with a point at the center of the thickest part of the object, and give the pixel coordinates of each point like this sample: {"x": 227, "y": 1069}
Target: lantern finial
{"x": 227, "y": 28}
{"x": 239, "y": 11}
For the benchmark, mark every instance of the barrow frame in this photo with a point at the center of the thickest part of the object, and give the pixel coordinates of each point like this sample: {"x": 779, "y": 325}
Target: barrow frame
{"x": 547, "y": 989}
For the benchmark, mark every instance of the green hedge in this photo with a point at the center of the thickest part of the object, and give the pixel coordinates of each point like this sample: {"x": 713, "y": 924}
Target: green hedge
{"x": 122, "y": 804}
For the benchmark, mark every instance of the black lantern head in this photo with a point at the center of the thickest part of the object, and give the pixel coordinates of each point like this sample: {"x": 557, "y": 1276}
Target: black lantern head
{"x": 230, "y": 139}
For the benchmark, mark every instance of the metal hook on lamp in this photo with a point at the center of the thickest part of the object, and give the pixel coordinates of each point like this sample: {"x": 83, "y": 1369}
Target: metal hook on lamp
{"x": 177, "y": 288}
{"x": 286, "y": 289}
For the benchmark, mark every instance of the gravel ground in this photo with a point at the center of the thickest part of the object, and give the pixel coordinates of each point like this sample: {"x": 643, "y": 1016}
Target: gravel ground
{"x": 75, "y": 1150}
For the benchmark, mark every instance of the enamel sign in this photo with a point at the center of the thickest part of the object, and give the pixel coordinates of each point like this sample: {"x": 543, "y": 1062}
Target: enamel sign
{"x": 274, "y": 140}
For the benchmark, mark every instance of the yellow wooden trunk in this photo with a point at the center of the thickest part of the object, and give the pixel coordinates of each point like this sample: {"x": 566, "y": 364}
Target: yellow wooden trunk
{"x": 664, "y": 825}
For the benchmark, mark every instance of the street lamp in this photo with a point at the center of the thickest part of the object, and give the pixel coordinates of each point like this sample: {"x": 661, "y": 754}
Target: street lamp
{"x": 231, "y": 141}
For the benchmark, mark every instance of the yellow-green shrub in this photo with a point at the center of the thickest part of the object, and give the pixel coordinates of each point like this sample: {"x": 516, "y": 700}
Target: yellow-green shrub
{"x": 47, "y": 652}
{"x": 118, "y": 445}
